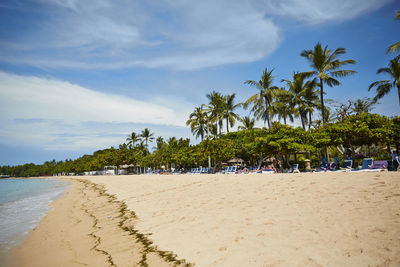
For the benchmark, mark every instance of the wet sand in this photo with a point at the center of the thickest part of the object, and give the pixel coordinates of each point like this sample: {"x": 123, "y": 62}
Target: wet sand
{"x": 315, "y": 219}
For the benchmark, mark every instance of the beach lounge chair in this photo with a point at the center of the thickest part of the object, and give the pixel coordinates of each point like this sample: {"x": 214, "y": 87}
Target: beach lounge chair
{"x": 324, "y": 163}
{"x": 346, "y": 166}
{"x": 295, "y": 168}
{"x": 378, "y": 166}
{"x": 329, "y": 168}
{"x": 267, "y": 171}
{"x": 366, "y": 164}
{"x": 231, "y": 170}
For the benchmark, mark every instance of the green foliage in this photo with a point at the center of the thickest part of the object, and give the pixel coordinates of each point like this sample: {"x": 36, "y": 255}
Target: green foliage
{"x": 365, "y": 130}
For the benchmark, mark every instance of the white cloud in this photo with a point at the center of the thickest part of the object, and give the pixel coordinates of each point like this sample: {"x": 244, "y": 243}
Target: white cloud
{"x": 58, "y": 114}
{"x": 33, "y": 97}
{"x": 321, "y": 11}
{"x": 177, "y": 34}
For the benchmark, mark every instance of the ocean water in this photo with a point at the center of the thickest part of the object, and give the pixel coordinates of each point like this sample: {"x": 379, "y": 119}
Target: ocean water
{"x": 23, "y": 202}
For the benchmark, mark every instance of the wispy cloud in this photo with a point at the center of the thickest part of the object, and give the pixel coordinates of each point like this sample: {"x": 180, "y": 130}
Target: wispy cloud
{"x": 59, "y": 114}
{"x": 178, "y": 34}
{"x": 322, "y": 11}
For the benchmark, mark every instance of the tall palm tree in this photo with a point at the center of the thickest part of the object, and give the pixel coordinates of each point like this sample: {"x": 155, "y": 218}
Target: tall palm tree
{"x": 215, "y": 109}
{"x": 283, "y": 105}
{"x": 262, "y": 101}
{"x": 160, "y": 142}
{"x": 248, "y": 123}
{"x": 394, "y": 47}
{"x": 301, "y": 93}
{"x": 132, "y": 139}
{"x": 326, "y": 65}
{"x": 311, "y": 101}
{"x": 228, "y": 110}
{"x": 198, "y": 121}
{"x": 147, "y": 136}
{"x": 384, "y": 87}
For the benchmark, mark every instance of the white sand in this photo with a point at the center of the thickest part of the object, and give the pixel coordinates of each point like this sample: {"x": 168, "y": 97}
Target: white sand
{"x": 327, "y": 219}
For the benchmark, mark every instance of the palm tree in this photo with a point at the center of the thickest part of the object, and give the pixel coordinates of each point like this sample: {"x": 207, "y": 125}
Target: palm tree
{"x": 215, "y": 109}
{"x": 394, "y": 47}
{"x": 283, "y": 105}
{"x": 262, "y": 101}
{"x": 198, "y": 121}
{"x": 311, "y": 101}
{"x": 147, "y": 135}
{"x": 160, "y": 142}
{"x": 132, "y": 139}
{"x": 364, "y": 105}
{"x": 248, "y": 123}
{"x": 325, "y": 65}
{"x": 384, "y": 87}
{"x": 228, "y": 110}
{"x": 302, "y": 94}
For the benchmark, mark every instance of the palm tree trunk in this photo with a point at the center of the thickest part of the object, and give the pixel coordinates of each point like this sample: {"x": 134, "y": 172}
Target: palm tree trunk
{"x": 267, "y": 111}
{"x": 309, "y": 121}
{"x": 323, "y": 112}
{"x": 302, "y": 120}
{"x": 284, "y": 120}
{"x": 322, "y": 100}
{"x": 227, "y": 125}
{"x": 398, "y": 90}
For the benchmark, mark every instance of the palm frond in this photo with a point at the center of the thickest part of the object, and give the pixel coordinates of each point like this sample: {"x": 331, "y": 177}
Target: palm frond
{"x": 377, "y": 83}
{"x": 342, "y": 73}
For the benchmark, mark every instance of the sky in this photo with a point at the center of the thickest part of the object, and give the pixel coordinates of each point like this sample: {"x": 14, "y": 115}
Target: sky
{"x": 77, "y": 76}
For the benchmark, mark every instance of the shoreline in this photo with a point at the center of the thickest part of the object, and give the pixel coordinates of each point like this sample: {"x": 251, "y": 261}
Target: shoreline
{"x": 89, "y": 226}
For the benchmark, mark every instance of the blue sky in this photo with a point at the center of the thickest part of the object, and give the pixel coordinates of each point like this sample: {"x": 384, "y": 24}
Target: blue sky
{"x": 78, "y": 75}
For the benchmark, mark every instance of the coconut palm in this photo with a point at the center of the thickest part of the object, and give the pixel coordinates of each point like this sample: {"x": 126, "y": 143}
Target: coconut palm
{"x": 262, "y": 101}
{"x": 248, "y": 123}
{"x": 283, "y": 106}
{"x": 394, "y": 47}
{"x": 384, "y": 87}
{"x": 215, "y": 109}
{"x": 147, "y": 136}
{"x": 160, "y": 142}
{"x": 198, "y": 121}
{"x": 228, "y": 110}
{"x": 132, "y": 139}
{"x": 302, "y": 96}
{"x": 364, "y": 105}
{"x": 326, "y": 65}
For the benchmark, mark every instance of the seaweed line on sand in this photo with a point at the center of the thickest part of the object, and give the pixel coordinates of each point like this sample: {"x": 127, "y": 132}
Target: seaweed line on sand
{"x": 97, "y": 238}
{"x": 126, "y": 215}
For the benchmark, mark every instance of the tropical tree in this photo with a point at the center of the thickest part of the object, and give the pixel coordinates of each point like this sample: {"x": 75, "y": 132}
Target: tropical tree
{"x": 248, "y": 123}
{"x": 262, "y": 101}
{"x": 384, "y": 87}
{"x": 228, "y": 111}
{"x": 160, "y": 142}
{"x": 302, "y": 95}
{"x": 147, "y": 136}
{"x": 198, "y": 121}
{"x": 283, "y": 106}
{"x": 132, "y": 139}
{"x": 215, "y": 108}
{"x": 364, "y": 105}
{"x": 394, "y": 47}
{"x": 326, "y": 64}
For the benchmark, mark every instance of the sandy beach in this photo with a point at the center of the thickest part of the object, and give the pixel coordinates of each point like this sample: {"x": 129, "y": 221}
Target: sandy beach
{"x": 315, "y": 219}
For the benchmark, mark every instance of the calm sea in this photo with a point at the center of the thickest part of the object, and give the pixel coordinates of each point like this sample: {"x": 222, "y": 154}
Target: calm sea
{"x": 23, "y": 202}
